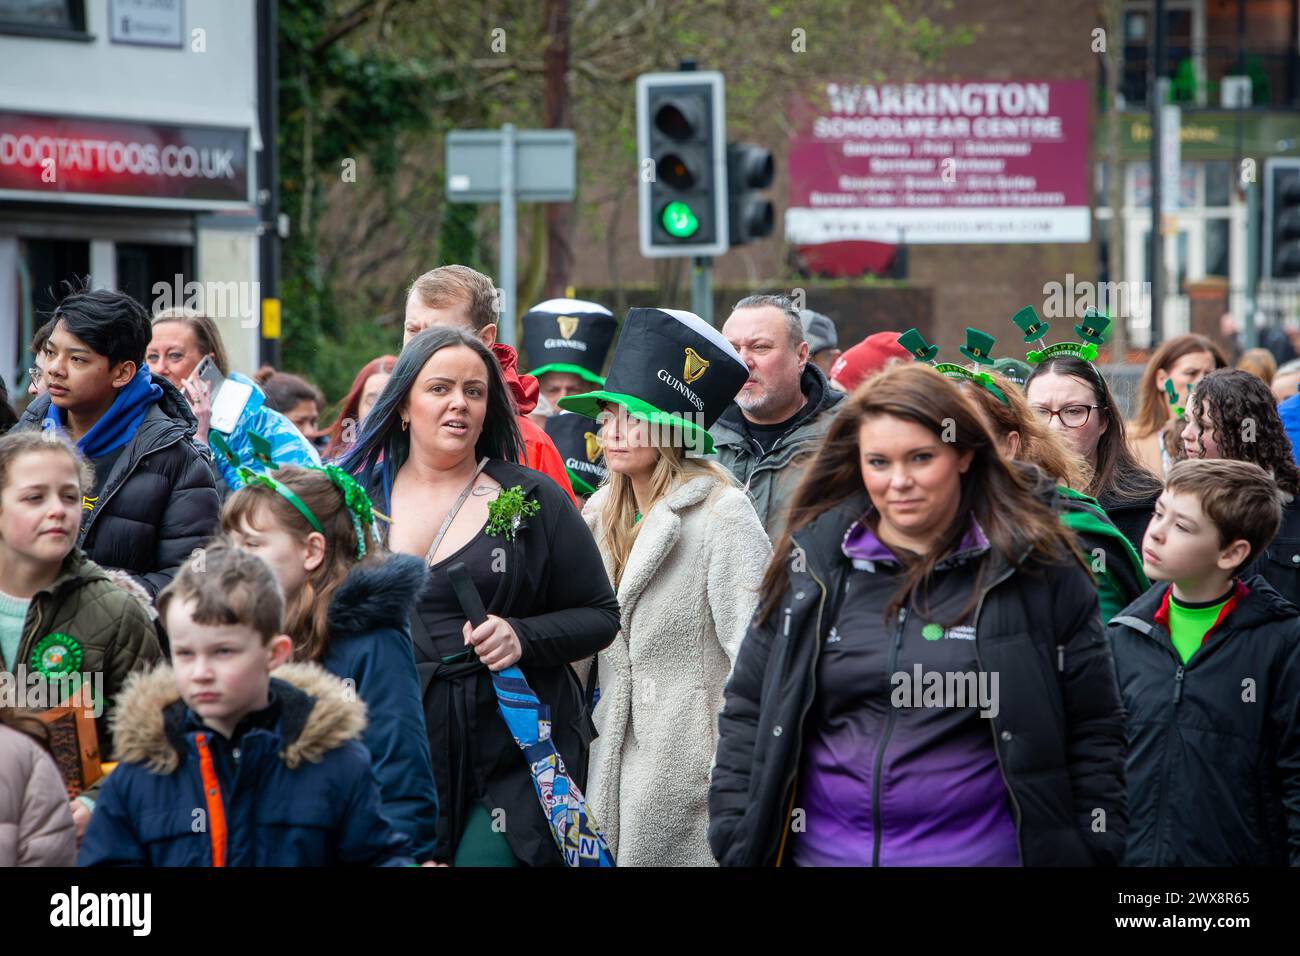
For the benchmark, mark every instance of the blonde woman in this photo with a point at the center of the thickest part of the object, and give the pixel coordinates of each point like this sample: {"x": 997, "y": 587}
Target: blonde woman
{"x": 685, "y": 551}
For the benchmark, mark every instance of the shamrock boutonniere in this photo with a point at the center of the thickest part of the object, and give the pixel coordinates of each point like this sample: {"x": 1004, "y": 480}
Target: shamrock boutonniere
{"x": 507, "y": 513}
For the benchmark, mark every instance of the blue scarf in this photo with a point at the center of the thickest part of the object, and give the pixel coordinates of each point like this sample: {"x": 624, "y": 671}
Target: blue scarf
{"x": 116, "y": 426}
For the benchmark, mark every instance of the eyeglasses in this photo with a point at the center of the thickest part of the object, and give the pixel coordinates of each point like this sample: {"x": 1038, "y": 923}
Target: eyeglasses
{"x": 35, "y": 374}
{"x": 1072, "y": 416}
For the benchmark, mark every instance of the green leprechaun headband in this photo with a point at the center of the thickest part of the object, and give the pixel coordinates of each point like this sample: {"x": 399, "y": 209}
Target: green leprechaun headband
{"x": 978, "y": 348}
{"x": 1092, "y": 329}
{"x": 358, "y": 504}
{"x": 1180, "y": 408}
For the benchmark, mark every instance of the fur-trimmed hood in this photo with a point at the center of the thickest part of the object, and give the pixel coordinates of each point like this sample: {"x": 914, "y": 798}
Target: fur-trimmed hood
{"x": 376, "y": 594}
{"x": 318, "y": 714}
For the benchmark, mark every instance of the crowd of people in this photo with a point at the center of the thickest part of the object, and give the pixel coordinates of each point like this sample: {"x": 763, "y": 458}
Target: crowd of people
{"x": 678, "y": 596}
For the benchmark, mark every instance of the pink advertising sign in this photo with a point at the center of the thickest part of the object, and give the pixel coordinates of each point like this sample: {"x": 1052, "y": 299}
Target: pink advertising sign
{"x": 942, "y": 162}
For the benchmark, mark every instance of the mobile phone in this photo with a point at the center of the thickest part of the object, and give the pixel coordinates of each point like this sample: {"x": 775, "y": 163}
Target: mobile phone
{"x": 227, "y": 396}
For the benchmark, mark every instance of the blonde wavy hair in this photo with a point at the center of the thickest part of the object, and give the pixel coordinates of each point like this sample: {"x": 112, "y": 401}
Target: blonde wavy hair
{"x": 617, "y": 524}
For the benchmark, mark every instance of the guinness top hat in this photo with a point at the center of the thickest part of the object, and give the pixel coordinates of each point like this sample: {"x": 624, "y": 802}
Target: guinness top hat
{"x": 568, "y": 335}
{"x": 578, "y": 440}
{"x": 670, "y": 368}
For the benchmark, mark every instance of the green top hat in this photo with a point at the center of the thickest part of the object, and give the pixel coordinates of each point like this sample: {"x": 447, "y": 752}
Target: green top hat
{"x": 1013, "y": 369}
{"x": 577, "y": 439}
{"x": 915, "y": 342}
{"x": 672, "y": 369}
{"x": 978, "y": 346}
{"x": 568, "y": 335}
{"x": 1029, "y": 322}
{"x": 1093, "y": 326}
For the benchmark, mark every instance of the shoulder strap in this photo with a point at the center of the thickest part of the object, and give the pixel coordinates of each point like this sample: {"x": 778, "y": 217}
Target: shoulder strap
{"x": 451, "y": 515}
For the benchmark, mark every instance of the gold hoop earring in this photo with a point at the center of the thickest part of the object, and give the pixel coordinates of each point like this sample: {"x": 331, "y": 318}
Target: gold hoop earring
{"x": 405, "y": 423}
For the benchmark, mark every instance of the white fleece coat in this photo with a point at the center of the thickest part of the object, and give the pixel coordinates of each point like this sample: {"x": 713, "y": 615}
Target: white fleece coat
{"x": 687, "y": 594}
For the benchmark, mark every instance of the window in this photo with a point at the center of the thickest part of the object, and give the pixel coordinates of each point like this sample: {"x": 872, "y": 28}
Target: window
{"x": 43, "y": 17}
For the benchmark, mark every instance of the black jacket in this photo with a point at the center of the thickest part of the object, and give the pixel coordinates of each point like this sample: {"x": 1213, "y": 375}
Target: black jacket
{"x": 158, "y": 501}
{"x": 559, "y": 601}
{"x": 1280, "y": 562}
{"x": 1214, "y": 744}
{"x": 1059, "y": 733}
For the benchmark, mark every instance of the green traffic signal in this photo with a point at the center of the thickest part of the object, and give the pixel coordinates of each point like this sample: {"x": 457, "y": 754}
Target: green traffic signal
{"x": 679, "y": 220}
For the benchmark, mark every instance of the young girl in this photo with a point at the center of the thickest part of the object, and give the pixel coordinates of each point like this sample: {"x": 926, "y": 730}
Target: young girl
{"x": 1183, "y": 360}
{"x": 925, "y": 682}
{"x": 60, "y": 613}
{"x": 36, "y": 828}
{"x": 1232, "y": 415}
{"x": 347, "y": 609}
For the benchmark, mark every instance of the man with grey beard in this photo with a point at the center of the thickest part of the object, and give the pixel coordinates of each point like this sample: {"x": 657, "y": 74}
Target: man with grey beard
{"x": 781, "y": 414}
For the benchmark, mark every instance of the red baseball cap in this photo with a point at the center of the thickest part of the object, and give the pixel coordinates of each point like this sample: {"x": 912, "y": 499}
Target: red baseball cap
{"x": 866, "y": 358}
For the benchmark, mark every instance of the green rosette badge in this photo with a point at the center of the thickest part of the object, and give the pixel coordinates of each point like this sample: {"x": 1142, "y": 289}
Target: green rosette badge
{"x": 507, "y": 513}
{"x": 57, "y": 655}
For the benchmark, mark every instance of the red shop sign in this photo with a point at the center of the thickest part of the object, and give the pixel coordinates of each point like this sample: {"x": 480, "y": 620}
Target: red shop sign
{"x": 92, "y": 160}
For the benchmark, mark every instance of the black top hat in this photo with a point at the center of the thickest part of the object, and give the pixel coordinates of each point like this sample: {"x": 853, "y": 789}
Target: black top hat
{"x": 578, "y": 440}
{"x": 568, "y": 335}
{"x": 673, "y": 369}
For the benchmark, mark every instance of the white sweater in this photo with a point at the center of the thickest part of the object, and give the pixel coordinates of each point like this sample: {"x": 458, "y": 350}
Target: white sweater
{"x": 688, "y": 591}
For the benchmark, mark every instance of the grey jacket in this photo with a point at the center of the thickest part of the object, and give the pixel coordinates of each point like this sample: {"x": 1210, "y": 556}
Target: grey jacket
{"x": 770, "y": 478}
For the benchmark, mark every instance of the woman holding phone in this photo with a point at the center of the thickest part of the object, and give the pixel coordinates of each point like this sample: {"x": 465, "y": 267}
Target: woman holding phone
{"x": 186, "y": 349}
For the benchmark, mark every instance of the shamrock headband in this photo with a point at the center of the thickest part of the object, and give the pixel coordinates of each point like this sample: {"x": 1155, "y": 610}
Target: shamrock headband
{"x": 978, "y": 348}
{"x": 1179, "y": 408}
{"x": 355, "y": 500}
{"x": 1091, "y": 329}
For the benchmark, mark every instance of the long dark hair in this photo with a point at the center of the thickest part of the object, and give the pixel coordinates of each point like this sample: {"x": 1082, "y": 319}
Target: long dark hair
{"x": 1116, "y": 473}
{"x": 1019, "y": 525}
{"x": 1236, "y": 398}
{"x": 383, "y": 434}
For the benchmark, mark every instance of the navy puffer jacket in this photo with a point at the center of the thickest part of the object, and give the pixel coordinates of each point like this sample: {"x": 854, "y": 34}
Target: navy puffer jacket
{"x": 293, "y": 789}
{"x": 370, "y": 646}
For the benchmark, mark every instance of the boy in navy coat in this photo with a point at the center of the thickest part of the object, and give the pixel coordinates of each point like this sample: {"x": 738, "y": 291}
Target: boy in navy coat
{"x": 223, "y": 764}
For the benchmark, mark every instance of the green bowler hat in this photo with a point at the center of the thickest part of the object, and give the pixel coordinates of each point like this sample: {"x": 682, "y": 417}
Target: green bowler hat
{"x": 915, "y": 342}
{"x": 1093, "y": 327}
{"x": 1028, "y": 322}
{"x": 978, "y": 346}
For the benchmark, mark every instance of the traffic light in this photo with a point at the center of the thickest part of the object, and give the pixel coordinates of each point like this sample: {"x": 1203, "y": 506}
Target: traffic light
{"x": 681, "y": 139}
{"x": 749, "y": 168}
{"x": 1282, "y": 219}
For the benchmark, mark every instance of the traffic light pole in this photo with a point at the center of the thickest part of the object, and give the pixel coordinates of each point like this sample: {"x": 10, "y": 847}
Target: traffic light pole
{"x": 702, "y": 288}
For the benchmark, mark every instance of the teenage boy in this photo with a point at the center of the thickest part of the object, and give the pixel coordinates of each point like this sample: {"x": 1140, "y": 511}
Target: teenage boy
{"x": 1209, "y": 669}
{"x": 273, "y": 767}
{"x": 154, "y": 499}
